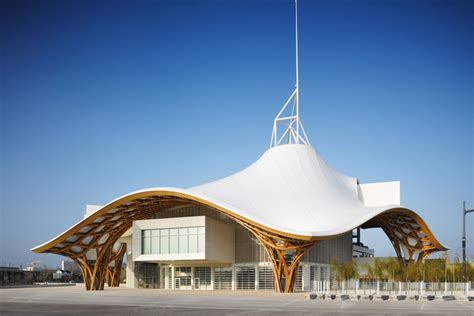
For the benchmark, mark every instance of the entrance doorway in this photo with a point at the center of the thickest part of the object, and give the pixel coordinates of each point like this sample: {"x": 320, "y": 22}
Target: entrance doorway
{"x": 183, "y": 278}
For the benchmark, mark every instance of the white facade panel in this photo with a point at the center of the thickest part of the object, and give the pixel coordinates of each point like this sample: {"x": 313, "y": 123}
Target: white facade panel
{"x": 380, "y": 193}
{"x": 91, "y": 209}
{"x": 220, "y": 242}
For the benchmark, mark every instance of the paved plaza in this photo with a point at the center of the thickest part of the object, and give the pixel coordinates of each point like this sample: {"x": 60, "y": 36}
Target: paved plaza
{"x": 74, "y": 300}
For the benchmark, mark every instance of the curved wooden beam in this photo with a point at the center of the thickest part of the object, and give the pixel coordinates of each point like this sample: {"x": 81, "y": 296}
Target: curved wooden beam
{"x": 98, "y": 233}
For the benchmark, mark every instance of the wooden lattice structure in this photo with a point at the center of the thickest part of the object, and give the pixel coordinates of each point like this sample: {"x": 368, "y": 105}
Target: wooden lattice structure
{"x": 408, "y": 233}
{"x": 92, "y": 243}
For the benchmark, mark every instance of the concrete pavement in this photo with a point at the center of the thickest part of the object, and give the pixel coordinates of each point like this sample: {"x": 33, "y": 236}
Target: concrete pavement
{"x": 122, "y": 301}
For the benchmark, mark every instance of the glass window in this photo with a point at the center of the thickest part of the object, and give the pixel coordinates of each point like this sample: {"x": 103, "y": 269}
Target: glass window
{"x": 173, "y": 240}
{"x": 183, "y": 243}
{"x": 164, "y": 241}
{"x": 201, "y": 243}
{"x": 155, "y": 244}
{"x": 146, "y": 244}
{"x": 193, "y": 243}
{"x": 174, "y": 245}
{"x": 173, "y": 232}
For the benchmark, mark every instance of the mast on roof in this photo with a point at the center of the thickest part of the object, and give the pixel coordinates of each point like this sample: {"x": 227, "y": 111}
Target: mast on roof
{"x": 293, "y": 131}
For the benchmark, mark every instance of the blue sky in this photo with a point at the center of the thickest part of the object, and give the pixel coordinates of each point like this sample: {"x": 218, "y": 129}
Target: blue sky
{"x": 100, "y": 98}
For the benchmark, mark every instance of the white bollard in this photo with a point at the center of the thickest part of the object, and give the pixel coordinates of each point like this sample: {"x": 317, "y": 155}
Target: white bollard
{"x": 378, "y": 287}
{"x": 399, "y": 288}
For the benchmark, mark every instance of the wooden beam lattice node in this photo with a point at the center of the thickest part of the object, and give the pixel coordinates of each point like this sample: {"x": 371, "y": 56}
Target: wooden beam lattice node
{"x": 114, "y": 271}
{"x": 95, "y": 254}
{"x": 284, "y": 252}
{"x": 91, "y": 244}
{"x": 407, "y": 235}
{"x": 285, "y": 255}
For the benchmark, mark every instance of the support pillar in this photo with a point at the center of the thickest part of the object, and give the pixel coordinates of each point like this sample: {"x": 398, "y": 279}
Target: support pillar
{"x": 234, "y": 278}
{"x": 114, "y": 271}
{"x": 173, "y": 281}
{"x": 285, "y": 254}
{"x": 256, "y": 277}
{"x": 213, "y": 277}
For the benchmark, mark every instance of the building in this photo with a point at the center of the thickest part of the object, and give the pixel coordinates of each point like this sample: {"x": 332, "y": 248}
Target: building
{"x": 16, "y": 276}
{"x": 61, "y": 275}
{"x": 69, "y": 265}
{"x": 359, "y": 250}
{"x": 274, "y": 225}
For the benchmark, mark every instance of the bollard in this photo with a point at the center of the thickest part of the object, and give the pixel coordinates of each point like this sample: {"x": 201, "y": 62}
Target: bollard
{"x": 344, "y": 297}
{"x": 401, "y": 297}
{"x": 448, "y": 298}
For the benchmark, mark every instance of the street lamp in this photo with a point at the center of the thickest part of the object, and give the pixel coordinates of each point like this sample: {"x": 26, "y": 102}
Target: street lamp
{"x": 464, "y": 213}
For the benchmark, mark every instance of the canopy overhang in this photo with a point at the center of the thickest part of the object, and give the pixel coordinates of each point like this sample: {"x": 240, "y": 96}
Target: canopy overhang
{"x": 289, "y": 195}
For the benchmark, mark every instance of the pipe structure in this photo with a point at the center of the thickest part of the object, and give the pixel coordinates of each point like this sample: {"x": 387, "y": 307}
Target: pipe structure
{"x": 463, "y": 241}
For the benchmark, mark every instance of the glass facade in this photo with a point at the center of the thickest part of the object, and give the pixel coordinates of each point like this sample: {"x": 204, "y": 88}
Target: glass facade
{"x": 223, "y": 278}
{"x": 265, "y": 278}
{"x": 150, "y": 275}
{"x": 202, "y": 278}
{"x": 147, "y": 275}
{"x": 245, "y": 278}
{"x": 173, "y": 240}
{"x": 182, "y": 278}
{"x": 299, "y": 280}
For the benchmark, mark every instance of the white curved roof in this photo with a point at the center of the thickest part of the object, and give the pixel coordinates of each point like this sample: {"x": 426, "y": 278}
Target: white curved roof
{"x": 290, "y": 188}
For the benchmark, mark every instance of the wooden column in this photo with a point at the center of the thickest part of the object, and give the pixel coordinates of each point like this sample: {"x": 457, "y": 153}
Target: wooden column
{"x": 95, "y": 272}
{"x": 114, "y": 271}
{"x": 285, "y": 254}
{"x": 400, "y": 229}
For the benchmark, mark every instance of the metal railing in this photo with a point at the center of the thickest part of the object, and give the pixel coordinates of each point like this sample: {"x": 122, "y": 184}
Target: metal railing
{"x": 361, "y": 287}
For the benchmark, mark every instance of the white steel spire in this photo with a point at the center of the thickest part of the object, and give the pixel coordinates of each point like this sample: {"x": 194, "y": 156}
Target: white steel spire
{"x": 293, "y": 131}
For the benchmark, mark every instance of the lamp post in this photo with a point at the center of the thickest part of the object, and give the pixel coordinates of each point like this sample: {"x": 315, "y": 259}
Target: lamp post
{"x": 464, "y": 213}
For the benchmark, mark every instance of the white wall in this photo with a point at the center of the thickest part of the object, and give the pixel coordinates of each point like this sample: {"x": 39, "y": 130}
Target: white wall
{"x": 91, "y": 209}
{"x": 220, "y": 241}
{"x": 380, "y": 193}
